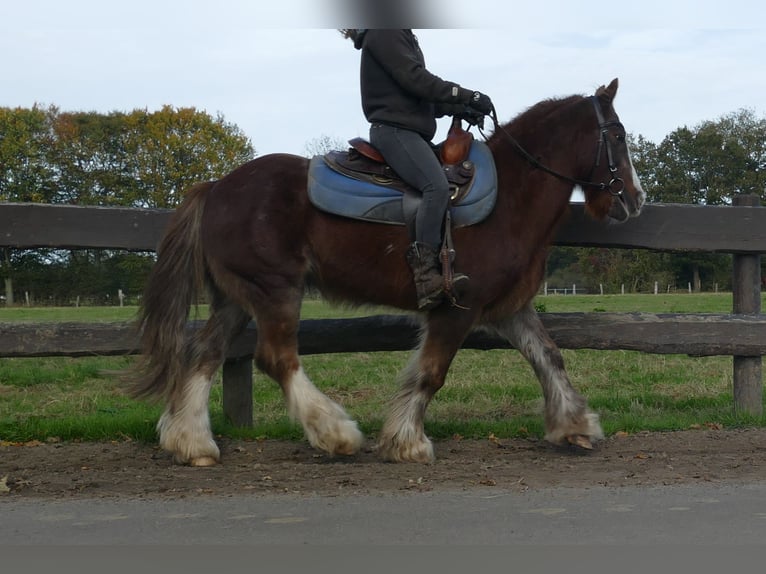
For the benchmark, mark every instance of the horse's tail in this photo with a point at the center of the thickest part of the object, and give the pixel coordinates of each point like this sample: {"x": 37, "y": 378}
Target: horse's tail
{"x": 175, "y": 282}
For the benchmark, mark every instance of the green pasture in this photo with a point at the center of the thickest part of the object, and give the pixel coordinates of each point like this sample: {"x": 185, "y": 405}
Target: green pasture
{"x": 486, "y": 391}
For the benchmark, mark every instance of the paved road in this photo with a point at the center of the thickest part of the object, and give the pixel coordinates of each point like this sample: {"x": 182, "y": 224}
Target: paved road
{"x": 708, "y": 515}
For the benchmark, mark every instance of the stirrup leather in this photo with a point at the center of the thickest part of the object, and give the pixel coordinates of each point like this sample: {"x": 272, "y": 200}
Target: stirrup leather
{"x": 447, "y": 259}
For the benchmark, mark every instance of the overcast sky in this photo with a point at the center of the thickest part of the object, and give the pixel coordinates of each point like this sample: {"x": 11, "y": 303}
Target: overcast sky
{"x": 280, "y": 72}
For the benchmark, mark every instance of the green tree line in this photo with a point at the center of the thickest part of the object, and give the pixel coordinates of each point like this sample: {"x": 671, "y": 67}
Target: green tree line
{"x": 134, "y": 159}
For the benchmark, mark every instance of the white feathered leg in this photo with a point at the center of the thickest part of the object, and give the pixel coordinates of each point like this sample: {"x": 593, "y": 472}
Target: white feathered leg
{"x": 567, "y": 417}
{"x": 403, "y": 437}
{"x": 327, "y": 426}
{"x": 184, "y": 427}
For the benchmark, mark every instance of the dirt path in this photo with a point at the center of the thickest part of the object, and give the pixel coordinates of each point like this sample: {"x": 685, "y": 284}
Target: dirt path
{"x": 128, "y": 469}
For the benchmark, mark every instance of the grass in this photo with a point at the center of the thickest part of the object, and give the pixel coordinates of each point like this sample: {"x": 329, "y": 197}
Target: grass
{"x": 486, "y": 391}
{"x": 668, "y": 303}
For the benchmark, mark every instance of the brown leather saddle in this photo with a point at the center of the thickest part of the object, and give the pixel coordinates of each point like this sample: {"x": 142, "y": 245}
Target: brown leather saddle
{"x": 364, "y": 162}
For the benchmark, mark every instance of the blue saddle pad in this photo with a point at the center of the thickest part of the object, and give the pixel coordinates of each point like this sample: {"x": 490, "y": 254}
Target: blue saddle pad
{"x": 336, "y": 193}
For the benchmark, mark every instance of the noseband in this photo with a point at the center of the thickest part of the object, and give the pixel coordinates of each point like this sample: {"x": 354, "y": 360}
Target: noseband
{"x": 615, "y": 186}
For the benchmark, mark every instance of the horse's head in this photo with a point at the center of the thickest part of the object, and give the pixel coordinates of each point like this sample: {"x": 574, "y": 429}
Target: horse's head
{"x": 616, "y": 192}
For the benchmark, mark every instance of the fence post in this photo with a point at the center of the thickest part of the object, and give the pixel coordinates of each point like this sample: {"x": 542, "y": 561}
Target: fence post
{"x": 238, "y": 391}
{"x": 746, "y": 287}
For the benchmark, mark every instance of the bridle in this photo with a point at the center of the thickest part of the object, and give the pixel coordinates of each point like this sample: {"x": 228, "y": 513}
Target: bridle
{"x": 616, "y": 184}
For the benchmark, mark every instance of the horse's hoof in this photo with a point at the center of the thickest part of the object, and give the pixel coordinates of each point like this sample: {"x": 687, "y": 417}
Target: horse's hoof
{"x": 422, "y": 452}
{"x": 580, "y": 441}
{"x": 203, "y": 461}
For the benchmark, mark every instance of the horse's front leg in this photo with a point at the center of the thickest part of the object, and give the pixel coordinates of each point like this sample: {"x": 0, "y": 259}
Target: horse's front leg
{"x": 403, "y": 438}
{"x": 567, "y": 417}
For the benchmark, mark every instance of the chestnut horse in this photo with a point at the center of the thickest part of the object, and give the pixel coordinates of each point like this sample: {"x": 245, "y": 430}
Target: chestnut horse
{"x": 253, "y": 240}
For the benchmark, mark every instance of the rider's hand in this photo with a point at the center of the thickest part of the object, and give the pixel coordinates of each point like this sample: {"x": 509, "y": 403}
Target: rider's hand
{"x": 472, "y": 116}
{"x": 481, "y": 103}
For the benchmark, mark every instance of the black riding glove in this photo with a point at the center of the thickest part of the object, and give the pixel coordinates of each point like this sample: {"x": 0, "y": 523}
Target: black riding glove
{"x": 481, "y": 103}
{"x": 472, "y": 116}
{"x": 462, "y": 111}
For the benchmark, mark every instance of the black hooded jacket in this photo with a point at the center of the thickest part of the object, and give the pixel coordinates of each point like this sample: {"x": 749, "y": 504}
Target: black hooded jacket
{"x": 397, "y": 89}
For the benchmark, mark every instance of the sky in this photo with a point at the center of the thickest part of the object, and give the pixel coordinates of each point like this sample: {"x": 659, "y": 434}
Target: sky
{"x": 281, "y": 72}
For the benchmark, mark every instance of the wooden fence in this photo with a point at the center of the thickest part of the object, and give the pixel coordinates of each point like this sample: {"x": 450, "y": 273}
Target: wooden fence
{"x": 739, "y": 230}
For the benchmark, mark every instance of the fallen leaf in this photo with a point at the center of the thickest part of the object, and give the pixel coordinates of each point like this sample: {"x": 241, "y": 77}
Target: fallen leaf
{"x": 621, "y": 434}
{"x": 642, "y": 456}
{"x": 4, "y": 489}
{"x": 714, "y": 426}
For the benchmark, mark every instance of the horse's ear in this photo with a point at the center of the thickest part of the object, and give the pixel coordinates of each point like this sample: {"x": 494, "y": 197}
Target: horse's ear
{"x": 610, "y": 91}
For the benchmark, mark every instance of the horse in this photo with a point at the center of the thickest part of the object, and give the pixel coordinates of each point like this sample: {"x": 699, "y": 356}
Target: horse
{"x": 253, "y": 241}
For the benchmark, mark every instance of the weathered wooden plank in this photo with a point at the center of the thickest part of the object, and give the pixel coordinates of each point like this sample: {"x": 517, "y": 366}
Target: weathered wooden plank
{"x": 661, "y": 227}
{"x": 747, "y": 373}
{"x": 667, "y": 333}
{"x": 238, "y": 391}
{"x": 692, "y": 334}
{"x": 673, "y": 227}
{"x": 33, "y": 225}
{"x": 66, "y": 339}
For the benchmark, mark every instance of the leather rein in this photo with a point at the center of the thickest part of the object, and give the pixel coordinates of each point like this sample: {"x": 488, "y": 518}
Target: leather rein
{"x": 615, "y": 186}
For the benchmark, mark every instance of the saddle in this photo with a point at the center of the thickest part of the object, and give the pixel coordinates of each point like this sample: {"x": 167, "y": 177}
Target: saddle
{"x": 352, "y": 184}
{"x": 364, "y": 162}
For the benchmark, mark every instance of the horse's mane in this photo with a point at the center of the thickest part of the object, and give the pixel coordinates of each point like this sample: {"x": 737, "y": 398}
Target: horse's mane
{"x": 530, "y": 119}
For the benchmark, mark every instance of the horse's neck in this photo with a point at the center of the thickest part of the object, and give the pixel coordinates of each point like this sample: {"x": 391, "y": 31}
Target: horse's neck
{"x": 533, "y": 199}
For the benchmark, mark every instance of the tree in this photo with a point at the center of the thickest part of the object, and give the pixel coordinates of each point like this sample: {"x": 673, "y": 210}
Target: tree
{"x": 322, "y": 145}
{"x": 142, "y": 159}
{"x": 91, "y": 159}
{"x": 171, "y": 149}
{"x": 709, "y": 164}
{"x": 26, "y": 173}
{"x": 138, "y": 159}
{"x": 636, "y": 269}
{"x": 706, "y": 165}
{"x": 25, "y": 170}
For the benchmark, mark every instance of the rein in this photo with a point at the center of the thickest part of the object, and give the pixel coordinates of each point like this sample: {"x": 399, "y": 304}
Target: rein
{"x": 615, "y": 186}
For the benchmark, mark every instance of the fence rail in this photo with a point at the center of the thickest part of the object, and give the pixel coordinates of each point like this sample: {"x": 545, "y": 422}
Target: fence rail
{"x": 661, "y": 227}
{"x": 738, "y": 229}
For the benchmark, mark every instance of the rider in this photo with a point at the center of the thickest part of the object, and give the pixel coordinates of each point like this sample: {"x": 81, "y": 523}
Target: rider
{"x": 401, "y": 99}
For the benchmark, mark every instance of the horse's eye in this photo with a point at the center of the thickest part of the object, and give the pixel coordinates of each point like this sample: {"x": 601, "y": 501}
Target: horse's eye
{"x": 620, "y": 138}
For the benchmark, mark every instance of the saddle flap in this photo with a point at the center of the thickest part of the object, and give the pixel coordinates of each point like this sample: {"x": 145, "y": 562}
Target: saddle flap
{"x": 358, "y": 166}
{"x": 366, "y": 149}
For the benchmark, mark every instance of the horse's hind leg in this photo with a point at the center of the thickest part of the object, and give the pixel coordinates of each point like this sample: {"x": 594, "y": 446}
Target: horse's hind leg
{"x": 567, "y": 417}
{"x": 326, "y": 425}
{"x": 184, "y": 426}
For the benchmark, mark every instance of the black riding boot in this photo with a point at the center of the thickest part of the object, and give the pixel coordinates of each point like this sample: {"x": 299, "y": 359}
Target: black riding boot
{"x": 429, "y": 282}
